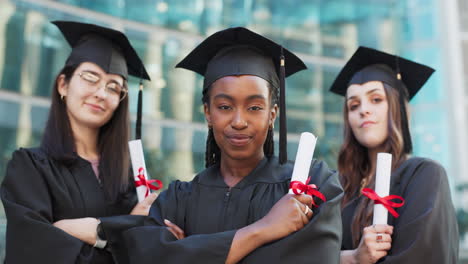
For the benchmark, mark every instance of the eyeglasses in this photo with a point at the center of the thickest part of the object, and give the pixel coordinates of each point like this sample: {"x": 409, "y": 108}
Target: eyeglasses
{"x": 112, "y": 89}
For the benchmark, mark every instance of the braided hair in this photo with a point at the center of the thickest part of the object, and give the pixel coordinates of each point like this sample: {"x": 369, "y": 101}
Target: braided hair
{"x": 213, "y": 153}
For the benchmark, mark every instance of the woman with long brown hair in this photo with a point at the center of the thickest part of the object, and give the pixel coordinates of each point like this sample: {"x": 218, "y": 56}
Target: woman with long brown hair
{"x": 81, "y": 170}
{"x": 377, "y": 87}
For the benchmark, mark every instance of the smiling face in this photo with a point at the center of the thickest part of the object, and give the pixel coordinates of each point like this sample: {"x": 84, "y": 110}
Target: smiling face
{"x": 367, "y": 108}
{"x": 240, "y": 112}
{"x": 88, "y": 102}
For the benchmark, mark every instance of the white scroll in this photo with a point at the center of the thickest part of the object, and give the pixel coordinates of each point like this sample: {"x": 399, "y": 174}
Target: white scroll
{"x": 304, "y": 155}
{"x": 382, "y": 185}
{"x": 138, "y": 165}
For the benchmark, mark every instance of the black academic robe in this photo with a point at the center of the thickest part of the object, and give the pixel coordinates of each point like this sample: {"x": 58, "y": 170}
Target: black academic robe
{"x": 426, "y": 230}
{"x": 210, "y": 214}
{"x": 38, "y": 191}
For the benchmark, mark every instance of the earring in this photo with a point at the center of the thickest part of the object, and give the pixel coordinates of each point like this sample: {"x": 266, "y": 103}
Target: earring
{"x": 61, "y": 97}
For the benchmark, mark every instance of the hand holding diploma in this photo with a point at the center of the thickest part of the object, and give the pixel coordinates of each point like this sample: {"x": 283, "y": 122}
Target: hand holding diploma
{"x": 375, "y": 242}
{"x": 376, "y": 239}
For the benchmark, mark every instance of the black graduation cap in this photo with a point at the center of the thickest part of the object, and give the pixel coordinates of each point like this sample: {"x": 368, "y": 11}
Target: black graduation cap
{"x": 368, "y": 64}
{"x": 239, "y": 51}
{"x": 109, "y": 49}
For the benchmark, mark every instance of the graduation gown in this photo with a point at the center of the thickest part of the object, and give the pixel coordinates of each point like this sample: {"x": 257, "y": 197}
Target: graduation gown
{"x": 38, "y": 191}
{"x": 426, "y": 230}
{"x": 210, "y": 213}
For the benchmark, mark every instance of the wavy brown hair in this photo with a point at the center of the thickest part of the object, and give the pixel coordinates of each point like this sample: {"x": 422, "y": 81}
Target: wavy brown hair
{"x": 59, "y": 143}
{"x": 354, "y": 165}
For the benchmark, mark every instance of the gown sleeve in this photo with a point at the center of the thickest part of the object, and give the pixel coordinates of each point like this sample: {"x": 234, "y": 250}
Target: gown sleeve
{"x": 30, "y": 235}
{"x": 139, "y": 239}
{"x": 320, "y": 240}
{"x": 426, "y": 231}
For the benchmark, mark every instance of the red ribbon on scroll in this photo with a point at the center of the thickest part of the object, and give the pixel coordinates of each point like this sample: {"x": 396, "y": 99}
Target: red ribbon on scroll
{"x": 385, "y": 201}
{"x": 150, "y": 184}
{"x": 300, "y": 188}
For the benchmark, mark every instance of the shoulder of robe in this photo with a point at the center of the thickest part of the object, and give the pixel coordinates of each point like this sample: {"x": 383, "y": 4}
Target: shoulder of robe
{"x": 179, "y": 187}
{"x": 24, "y": 156}
{"x": 414, "y": 166}
{"x": 322, "y": 167}
{"x": 178, "y": 192}
{"x": 427, "y": 162}
{"x": 326, "y": 180}
{"x": 423, "y": 161}
{"x": 422, "y": 174}
{"x": 35, "y": 154}
{"x": 320, "y": 172}
{"x": 25, "y": 164}
{"x": 35, "y": 160}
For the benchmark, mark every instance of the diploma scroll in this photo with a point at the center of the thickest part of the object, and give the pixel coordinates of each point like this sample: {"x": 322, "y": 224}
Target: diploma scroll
{"x": 382, "y": 185}
{"x": 304, "y": 155}
{"x": 139, "y": 166}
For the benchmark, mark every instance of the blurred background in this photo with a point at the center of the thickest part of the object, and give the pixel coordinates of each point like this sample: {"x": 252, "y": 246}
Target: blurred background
{"x": 324, "y": 33}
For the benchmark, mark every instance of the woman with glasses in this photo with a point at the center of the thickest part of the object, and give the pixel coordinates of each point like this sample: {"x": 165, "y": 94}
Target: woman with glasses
{"x": 81, "y": 170}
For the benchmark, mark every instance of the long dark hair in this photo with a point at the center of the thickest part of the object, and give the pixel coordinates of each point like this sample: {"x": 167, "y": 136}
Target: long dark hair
{"x": 213, "y": 153}
{"x": 59, "y": 143}
{"x": 354, "y": 165}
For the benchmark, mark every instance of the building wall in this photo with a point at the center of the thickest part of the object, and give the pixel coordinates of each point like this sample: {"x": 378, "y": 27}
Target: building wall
{"x": 323, "y": 33}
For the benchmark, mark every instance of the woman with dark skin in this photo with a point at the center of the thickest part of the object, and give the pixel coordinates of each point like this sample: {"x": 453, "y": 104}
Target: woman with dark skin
{"x": 237, "y": 210}
{"x": 377, "y": 87}
{"x": 239, "y": 112}
{"x": 80, "y": 171}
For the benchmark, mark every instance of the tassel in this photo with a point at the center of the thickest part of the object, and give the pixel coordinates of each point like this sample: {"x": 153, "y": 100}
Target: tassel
{"x": 139, "y": 111}
{"x": 283, "y": 154}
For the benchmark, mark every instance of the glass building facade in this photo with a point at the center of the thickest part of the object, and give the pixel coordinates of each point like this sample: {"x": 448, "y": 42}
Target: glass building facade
{"x": 324, "y": 33}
